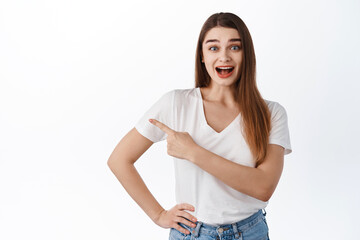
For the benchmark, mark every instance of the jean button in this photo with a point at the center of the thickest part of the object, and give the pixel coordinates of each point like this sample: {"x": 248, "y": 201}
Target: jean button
{"x": 220, "y": 230}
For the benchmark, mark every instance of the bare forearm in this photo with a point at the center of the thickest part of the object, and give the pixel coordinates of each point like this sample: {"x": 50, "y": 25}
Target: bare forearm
{"x": 129, "y": 177}
{"x": 248, "y": 180}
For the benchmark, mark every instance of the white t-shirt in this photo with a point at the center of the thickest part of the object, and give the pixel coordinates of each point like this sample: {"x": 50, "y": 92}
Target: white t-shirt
{"x": 215, "y": 202}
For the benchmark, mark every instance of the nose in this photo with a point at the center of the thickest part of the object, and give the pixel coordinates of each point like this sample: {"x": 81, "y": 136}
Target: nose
{"x": 224, "y": 57}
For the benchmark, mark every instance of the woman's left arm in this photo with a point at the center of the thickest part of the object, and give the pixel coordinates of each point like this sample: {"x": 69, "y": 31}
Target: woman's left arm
{"x": 259, "y": 182}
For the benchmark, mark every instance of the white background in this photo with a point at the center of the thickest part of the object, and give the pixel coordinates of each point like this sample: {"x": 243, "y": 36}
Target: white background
{"x": 75, "y": 76}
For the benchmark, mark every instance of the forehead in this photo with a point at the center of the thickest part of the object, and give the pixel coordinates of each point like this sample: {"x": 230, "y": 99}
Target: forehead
{"x": 221, "y": 34}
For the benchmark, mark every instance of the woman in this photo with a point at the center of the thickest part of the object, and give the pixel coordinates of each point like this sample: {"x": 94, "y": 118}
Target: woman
{"x": 227, "y": 142}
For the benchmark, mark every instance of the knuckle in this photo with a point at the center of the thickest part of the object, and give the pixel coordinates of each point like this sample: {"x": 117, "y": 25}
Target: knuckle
{"x": 188, "y": 216}
{"x": 186, "y": 220}
{"x": 183, "y": 230}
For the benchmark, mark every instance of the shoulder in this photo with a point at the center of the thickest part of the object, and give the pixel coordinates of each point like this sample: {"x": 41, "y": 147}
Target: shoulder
{"x": 178, "y": 97}
{"x": 275, "y": 108}
{"x": 183, "y": 95}
{"x": 174, "y": 97}
{"x": 187, "y": 92}
{"x": 181, "y": 92}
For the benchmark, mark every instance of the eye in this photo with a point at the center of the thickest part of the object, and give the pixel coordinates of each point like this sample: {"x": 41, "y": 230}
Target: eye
{"x": 235, "y": 47}
{"x": 213, "y": 48}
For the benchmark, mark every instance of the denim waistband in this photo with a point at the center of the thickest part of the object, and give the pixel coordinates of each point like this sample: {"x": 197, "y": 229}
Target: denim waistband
{"x": 226, "y": 229}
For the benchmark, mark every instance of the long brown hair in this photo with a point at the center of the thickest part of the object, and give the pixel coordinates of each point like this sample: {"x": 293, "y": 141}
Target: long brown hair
{"x": 254, "y": 111}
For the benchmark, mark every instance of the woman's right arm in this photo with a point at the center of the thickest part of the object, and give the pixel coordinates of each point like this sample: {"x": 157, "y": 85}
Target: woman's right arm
{"x": 121, "y": 162}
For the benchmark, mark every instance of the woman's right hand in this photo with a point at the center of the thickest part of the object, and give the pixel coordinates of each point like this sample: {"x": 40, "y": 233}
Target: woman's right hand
{"x": 171, "y": 218}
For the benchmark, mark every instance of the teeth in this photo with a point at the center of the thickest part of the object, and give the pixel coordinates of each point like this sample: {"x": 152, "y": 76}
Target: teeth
{"x": 225, "y": 67}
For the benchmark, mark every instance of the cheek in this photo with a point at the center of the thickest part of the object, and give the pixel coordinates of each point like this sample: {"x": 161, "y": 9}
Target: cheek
{"x": 207, "y": 57}
{"x": 239, "y": 60}
{"x": 208, "y": 61}
{"x": 208, "y": 68}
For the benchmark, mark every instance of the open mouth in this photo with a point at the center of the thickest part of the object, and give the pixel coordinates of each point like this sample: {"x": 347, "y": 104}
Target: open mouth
{"x": 224, "y": 72}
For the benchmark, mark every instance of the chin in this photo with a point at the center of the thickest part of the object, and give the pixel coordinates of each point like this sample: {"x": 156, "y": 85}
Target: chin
{"x": 224, "y": 82}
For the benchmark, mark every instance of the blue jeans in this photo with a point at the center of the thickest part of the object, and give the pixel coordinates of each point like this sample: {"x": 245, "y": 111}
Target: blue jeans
{"x": 252, "y": 228}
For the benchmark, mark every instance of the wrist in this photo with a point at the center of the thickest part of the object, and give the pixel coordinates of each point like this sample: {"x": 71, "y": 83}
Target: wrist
{"x": 155, "y": 218}
{"x": 194, "y": 153}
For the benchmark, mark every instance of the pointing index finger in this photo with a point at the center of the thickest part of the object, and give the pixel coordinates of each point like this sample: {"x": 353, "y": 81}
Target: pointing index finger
{"x": 162, "y": 126}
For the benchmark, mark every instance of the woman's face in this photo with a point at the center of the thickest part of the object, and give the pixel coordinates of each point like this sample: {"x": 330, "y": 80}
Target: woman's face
{"x": 222, "y": 55}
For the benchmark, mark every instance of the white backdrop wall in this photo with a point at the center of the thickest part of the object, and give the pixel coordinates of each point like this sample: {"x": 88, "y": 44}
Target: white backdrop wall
{"x": 76, "y": 75}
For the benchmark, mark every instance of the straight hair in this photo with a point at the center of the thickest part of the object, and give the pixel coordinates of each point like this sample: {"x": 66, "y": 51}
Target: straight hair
{"x": 255, "y": 114}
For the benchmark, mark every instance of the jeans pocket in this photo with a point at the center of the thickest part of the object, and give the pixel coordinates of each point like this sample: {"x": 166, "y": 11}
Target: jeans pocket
{"x": 264, "y": 219}
{"x": 258, "y": 230}
{"x": 176, "y": 235}
{"x": 265, "y": 222}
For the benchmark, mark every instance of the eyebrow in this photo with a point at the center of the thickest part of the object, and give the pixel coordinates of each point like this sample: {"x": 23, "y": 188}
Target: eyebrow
{"x": 231, "y": 40}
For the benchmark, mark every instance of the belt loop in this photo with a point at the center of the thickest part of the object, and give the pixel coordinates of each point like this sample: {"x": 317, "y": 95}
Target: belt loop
{"x": 264, "y": 213}
{"x": 237, "y": 235}
{"x": 196, "y": 230}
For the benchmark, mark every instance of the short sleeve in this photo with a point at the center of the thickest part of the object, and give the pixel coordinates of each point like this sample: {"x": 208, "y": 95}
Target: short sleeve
{"x": 161, "y": 110}
{"x": 279, "y": 133}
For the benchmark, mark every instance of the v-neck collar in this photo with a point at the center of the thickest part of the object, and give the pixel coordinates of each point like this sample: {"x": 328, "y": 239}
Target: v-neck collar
{"x": 203, "y": 118}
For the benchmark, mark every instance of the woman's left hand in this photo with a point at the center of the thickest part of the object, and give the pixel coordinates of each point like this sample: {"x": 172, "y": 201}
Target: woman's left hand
{"x": 179, "y": 144}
